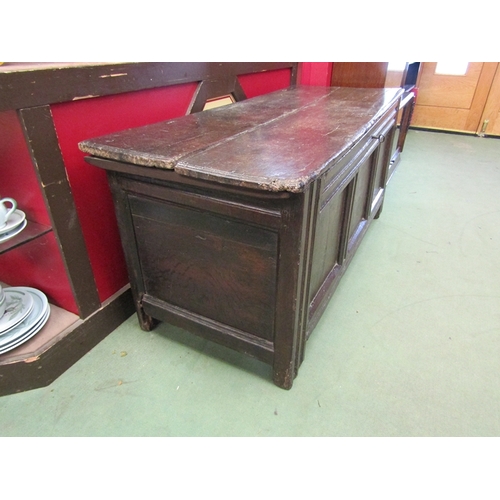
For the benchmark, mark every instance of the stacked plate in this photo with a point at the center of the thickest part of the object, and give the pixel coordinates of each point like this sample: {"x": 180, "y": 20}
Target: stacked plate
{"x": 16, "y": 223}
{"x": 26, "y": 312}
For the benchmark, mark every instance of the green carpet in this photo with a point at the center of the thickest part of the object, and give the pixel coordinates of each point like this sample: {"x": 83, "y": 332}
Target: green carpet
{"x": 408, "y": 346}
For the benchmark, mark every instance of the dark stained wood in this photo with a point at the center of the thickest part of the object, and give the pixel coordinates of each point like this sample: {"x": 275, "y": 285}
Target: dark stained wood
{"x": 238, "y": 224}
{"x": 406, "y": 111}
{"x": 27, "y": 85}
{"x": 127, "y": 236}
{"x": 43, "y": 145}
{"x": 218, "y": 268}
{"x": 408, "y": 105}
{"x": 373, "y": 75}
{"x": 347, "y": 207}
{"x": 301, "y": 123}
{"x": 359, "y": 74}
{"x": 291, "y": 316}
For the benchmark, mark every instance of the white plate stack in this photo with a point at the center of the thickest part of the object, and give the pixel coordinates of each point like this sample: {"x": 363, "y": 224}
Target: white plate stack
{"x": 15, "y": 224}
{"x": 26, "y": 312}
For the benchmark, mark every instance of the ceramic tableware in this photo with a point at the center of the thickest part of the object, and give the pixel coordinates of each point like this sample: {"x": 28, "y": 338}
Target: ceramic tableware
{"x": 25, "y": 333}
{"x": 15, "y": 220}
{"x": 10, "y": 234}
{"x": 3, "y": 301}
{"x": 19, "y": 304}
{"x": 27, "y": 336}
{"x": 31, "y": 324}
{"x": 5, "y": 212}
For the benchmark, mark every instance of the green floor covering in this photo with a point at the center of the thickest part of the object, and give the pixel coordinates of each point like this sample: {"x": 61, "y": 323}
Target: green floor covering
{"x": 408, "y": 346}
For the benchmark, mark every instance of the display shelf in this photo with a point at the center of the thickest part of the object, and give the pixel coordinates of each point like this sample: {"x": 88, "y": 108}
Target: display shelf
{"x": 57, "y": 326}
{"x": 32, "y": 231}
{"x": 63, "y": 340}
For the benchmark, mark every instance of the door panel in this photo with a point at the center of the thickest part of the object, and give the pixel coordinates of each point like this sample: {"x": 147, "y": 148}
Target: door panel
{"x": 452, "y": 102}
{"x": 490, "y": 121}
{"x": 449, "y": 91}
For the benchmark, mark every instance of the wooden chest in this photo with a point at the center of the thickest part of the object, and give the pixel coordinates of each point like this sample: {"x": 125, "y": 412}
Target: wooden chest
{"x": 238, "y": 222}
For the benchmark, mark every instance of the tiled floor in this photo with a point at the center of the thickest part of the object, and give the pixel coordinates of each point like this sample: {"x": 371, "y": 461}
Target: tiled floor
{"x": 408, "y": 346}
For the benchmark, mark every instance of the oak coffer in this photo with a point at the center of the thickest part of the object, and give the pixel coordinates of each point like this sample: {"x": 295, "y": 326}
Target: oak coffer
{"x": 238, "y": 222}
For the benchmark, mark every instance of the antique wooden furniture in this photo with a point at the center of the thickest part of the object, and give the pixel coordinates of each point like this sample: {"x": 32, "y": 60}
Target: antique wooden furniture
{"x": 71, "y": 247}
{"x": 377, "y": 75}
{"x": 237, "y": 223}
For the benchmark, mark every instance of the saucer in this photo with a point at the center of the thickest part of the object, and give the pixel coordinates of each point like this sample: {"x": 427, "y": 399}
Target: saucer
{"x": 10, "y": 234}
{"x": 31, "y": 325}
{"x": 27, "y": 335}
{"x": 17, "y": 217}
{"x": 19, "y": 305}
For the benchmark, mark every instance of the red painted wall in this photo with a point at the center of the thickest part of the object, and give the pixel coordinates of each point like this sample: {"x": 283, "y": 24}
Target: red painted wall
{"x": 315, "y": 73}
{"x": 79, "y": 120}
{"x": 262, "y": 83}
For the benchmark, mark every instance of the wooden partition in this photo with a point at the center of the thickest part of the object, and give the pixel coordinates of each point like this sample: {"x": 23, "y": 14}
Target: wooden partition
{"x": 73, "y": 253}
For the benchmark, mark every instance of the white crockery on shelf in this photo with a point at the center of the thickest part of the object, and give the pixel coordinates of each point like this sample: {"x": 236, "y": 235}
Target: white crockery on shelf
{"x": 31, "y": 324}
{"x": 5, "y": 212}
{"x": 15, "y": 220}
{"x": 10, "y": 234}
{"x": 26, "y": 334}
{"x": 19, "y": 304}
{"x": 3, "y": 301}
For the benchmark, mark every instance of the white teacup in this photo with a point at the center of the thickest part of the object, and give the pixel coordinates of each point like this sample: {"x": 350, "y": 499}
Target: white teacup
{"x": 4, "y": 212}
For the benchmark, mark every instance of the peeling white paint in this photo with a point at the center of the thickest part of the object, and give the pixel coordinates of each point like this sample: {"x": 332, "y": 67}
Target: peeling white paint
{"x": 113, "y": 75}
{"x": 84, "y": 97}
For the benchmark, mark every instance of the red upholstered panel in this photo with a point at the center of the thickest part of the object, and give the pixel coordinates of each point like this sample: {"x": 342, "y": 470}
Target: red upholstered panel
{"x": 83, "y": 119}
{"x": 255, "y": 84}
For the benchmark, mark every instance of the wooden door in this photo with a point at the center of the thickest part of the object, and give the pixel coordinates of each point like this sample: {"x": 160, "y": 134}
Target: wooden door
{"x": 359, "y": 74}
{"x": 450, "y": 101}
{"x": 490, "y": 121}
